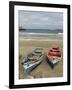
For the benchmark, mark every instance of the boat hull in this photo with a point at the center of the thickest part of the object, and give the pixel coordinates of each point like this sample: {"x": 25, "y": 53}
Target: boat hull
{"x": 29, "y": 67}
{"x": 52, "y": 62}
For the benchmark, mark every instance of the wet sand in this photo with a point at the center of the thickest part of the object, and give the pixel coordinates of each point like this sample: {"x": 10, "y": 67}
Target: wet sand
{"x": 43, "y": 70}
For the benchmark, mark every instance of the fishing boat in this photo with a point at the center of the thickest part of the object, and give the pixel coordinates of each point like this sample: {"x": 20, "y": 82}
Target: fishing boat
{"x": 54, "y": 56}
{"x": 32, "y": 60}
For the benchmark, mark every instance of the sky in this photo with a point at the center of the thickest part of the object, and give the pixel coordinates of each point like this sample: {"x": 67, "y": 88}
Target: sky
{"x": 40, "y": 20}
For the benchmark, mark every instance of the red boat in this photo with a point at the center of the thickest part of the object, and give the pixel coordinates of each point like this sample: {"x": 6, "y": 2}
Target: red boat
{"x": 54, "y": 56}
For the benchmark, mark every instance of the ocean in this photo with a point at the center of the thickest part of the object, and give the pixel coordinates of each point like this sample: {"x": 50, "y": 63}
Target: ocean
{"x": 40, "y": 34}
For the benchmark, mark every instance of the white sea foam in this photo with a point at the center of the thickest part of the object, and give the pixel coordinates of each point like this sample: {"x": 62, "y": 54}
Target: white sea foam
{"x": 60, "y": 33}
{"x": 27, "y": 33}
{"x": 22, "y": 39}
{"x": 40, "y": 36}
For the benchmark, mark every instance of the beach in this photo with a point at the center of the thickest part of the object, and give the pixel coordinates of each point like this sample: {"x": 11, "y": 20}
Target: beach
{"x": 43, "y": 70}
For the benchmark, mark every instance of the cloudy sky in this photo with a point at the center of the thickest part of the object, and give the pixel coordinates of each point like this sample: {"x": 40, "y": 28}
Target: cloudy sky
{"x": 40, "y": 20}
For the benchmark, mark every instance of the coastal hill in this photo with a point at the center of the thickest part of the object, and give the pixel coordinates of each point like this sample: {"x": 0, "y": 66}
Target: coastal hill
{"x": 22, "y": 29}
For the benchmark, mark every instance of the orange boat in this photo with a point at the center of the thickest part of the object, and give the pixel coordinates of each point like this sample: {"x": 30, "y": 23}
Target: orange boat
{"x": 53, "y": 56}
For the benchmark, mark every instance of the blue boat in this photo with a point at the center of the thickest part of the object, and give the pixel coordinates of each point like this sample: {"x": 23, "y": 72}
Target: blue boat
{"x": 29, "y": 66}
{"x": 32, "y": 60}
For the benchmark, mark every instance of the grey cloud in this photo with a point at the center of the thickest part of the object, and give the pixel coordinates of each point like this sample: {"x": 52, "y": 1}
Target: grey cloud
{"x": 38, "y": 20}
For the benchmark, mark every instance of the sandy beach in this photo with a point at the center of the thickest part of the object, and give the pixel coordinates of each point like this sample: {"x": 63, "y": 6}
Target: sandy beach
{"x": 43, "y": 70}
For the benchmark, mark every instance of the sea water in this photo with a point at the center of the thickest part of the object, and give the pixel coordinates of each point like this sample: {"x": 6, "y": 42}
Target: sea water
{"x": 40, "y": 34}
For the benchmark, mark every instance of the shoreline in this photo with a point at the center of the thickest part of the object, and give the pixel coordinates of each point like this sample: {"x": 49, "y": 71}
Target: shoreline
{"x": 31, "y": 33}
{"x": 40, "y": 39}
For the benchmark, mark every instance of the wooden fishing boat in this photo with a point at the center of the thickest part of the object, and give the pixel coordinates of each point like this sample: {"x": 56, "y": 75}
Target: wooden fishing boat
{"x": 54, "y": 56}
{"x": 32, "y": 60}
